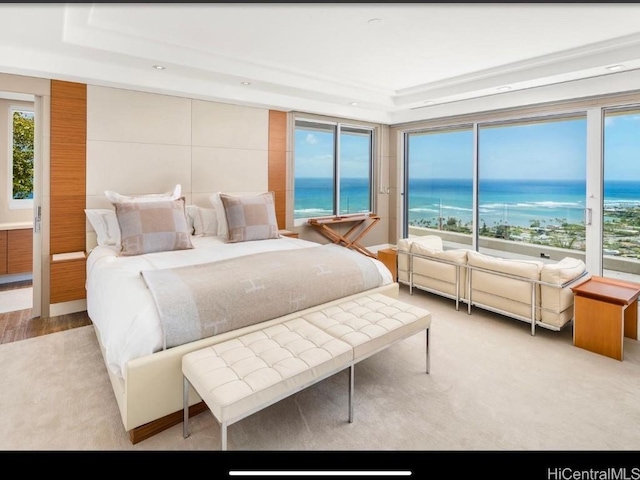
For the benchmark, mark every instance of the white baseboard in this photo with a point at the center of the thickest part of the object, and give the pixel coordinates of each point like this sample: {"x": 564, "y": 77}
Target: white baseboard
{"x": 65, "y": 308}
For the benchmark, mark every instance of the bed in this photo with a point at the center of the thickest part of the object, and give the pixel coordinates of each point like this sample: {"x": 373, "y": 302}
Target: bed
{"x": 145, "y": 373}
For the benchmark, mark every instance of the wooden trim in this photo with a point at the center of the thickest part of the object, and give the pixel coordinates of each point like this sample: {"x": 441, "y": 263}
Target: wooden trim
{"x": 150, "y": 429}
{"x": 278, "y": 163}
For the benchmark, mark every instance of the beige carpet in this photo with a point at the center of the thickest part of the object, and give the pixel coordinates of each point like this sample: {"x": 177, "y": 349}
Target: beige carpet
{"x": 492, "y": 386}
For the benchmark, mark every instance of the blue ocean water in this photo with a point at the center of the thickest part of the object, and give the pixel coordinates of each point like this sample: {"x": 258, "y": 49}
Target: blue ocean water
{"x": 512, "y": 202}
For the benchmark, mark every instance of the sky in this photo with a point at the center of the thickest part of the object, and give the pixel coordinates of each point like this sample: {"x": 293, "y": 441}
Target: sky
{"x": 314, "y": 154}
{"x": 543, "y": 150}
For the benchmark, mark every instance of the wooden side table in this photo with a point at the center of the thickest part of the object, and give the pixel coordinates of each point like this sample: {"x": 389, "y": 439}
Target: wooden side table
{"x": 389, "y": 256}
{"x": 605, "y": 311}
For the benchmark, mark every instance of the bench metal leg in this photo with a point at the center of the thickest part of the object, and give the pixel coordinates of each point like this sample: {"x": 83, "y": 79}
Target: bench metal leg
{"x": 185, "y": 407}
{"x": 223, "y": 435}
{"x": 351, "y": 382}
{"x": 427, "y": 349}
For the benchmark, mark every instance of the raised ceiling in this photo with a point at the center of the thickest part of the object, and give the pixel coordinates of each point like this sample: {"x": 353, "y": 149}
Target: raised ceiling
{"x": 380, "y": 62}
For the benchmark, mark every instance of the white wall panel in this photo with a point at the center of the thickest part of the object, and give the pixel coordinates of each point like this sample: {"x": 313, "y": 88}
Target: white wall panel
{"x": 230, "y": 126}
{"x": 137, "y": 168}
{"x": 128, "y": 116}
{"x": 226, "y": 169}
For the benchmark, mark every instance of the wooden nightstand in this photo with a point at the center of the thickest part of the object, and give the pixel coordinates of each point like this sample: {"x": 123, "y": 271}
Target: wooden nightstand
{"x": 389, "y": 256}
{"x": 288, "y": 233}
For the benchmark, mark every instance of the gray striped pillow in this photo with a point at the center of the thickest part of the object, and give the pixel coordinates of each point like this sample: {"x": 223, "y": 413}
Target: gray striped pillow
{"x": 148, "y": 227}
{"x": 250, "y": 217}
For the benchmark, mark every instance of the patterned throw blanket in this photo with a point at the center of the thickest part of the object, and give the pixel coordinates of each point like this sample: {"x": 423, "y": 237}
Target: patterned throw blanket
{"x": 199, "y": 301}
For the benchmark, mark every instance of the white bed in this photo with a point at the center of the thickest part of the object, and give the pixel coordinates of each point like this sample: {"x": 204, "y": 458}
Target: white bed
{"x": 147, "y": 380}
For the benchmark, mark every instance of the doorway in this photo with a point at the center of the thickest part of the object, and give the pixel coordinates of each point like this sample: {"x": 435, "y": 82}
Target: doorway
{"x": 19, "y": 250}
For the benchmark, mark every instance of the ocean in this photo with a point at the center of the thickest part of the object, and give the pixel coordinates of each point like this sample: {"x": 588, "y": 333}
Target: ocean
{"x": 512, "y": 202}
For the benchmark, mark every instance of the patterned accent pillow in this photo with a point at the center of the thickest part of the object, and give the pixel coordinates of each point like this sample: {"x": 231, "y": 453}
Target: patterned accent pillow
{"x": 250, "y": 217}
{"x": 148, "y": 227}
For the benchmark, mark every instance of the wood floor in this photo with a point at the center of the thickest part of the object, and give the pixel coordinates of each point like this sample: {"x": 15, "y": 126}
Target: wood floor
{"x": 19, "y": 325}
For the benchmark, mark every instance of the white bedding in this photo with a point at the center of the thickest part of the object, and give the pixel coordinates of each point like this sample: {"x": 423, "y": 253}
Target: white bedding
{"x": 122, "y": 308}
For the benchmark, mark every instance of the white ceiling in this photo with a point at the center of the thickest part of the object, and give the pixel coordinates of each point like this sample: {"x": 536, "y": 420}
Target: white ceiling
{"x": 387, "y": 58}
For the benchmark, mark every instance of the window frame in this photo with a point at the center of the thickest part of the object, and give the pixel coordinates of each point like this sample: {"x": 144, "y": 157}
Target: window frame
{"x": 339, "y": 125}
{"x": 15, "y": 203}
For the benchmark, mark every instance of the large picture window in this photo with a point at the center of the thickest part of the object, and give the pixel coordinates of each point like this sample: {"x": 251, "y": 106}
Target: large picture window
{"x": 333, "y": 169}
{"x": 21, "y": 135}
{"x": 440, "y": 182}
{"x": 532, "y": 183}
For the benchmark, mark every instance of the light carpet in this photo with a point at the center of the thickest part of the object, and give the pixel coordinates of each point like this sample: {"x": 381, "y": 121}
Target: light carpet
{"x": 16, "y": 299}
{"x": 492, "y": 386}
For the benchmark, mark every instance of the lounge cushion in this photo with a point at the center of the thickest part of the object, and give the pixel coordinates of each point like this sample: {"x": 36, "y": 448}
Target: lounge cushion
{"x": 557, "y": 304}
{"x": 501, "y": 292}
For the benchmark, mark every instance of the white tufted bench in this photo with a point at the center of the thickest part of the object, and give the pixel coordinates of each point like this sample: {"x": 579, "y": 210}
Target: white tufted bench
{"x": 372, "y": 323}
{"x": 239, "y": 377}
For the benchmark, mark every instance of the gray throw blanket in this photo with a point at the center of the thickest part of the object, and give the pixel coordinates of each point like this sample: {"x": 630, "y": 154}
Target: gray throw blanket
{"x": 198, "y": 301}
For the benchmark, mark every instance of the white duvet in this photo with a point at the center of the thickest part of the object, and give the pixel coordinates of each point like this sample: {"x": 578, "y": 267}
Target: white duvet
{"x": 122, "y": 308}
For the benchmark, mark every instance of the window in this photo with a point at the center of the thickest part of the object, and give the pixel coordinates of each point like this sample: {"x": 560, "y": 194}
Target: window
{"x": 532, "y": 183}
{"x": 21, "y": 153}
{"x": 440, "y": 182}
{"x": 333, "y": 169}
{"x": 621, "y": 204}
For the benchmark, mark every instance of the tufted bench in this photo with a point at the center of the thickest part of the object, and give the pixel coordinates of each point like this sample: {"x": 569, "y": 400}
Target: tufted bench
{"x": 241, "y": 376}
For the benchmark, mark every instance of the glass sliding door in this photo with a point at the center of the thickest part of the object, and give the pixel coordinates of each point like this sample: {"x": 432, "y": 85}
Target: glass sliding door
{"x": 621, "y": 200}
{"x": 439, "y": 184}
{"x": 532, "y": 187}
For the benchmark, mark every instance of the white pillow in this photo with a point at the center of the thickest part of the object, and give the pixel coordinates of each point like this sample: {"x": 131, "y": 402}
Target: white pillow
{"x": 191, "y": 211}
{"x": 105, "y": 224}
{"x": 115, "y": 197}
{"x": 205, "y": 222}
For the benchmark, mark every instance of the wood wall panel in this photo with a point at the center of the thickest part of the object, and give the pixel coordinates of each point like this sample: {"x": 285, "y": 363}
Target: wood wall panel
{"x": 278, "y": 163}
{"x": 70, "y": 278}
{"x": 68, "y": 172}
{"x": 20, "y": 250}
{"x": 3, "y": 252}
{"x": 68, "y": 112}
{"x": 68, "y": 188}
{"x": 67, "y": 215}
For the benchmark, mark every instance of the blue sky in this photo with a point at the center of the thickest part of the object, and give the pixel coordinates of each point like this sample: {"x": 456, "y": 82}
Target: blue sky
{"x": 548, "y": 150}
{"x": 314, "y": 154}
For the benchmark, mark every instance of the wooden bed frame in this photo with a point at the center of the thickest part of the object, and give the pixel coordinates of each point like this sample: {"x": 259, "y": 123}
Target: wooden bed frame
{"x": 150, "y": 397}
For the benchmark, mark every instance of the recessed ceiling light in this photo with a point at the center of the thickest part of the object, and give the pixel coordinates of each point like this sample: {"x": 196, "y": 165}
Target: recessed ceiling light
{"x": 246, "y": 83}
{"x": 353, "y": 104}
{"x": 504, "y": 89}
{"x": 429, "y": 102}
{"x": 615, "y": 68}
{"x": 159, "y": 67}
{"x": 374, "y": 21}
